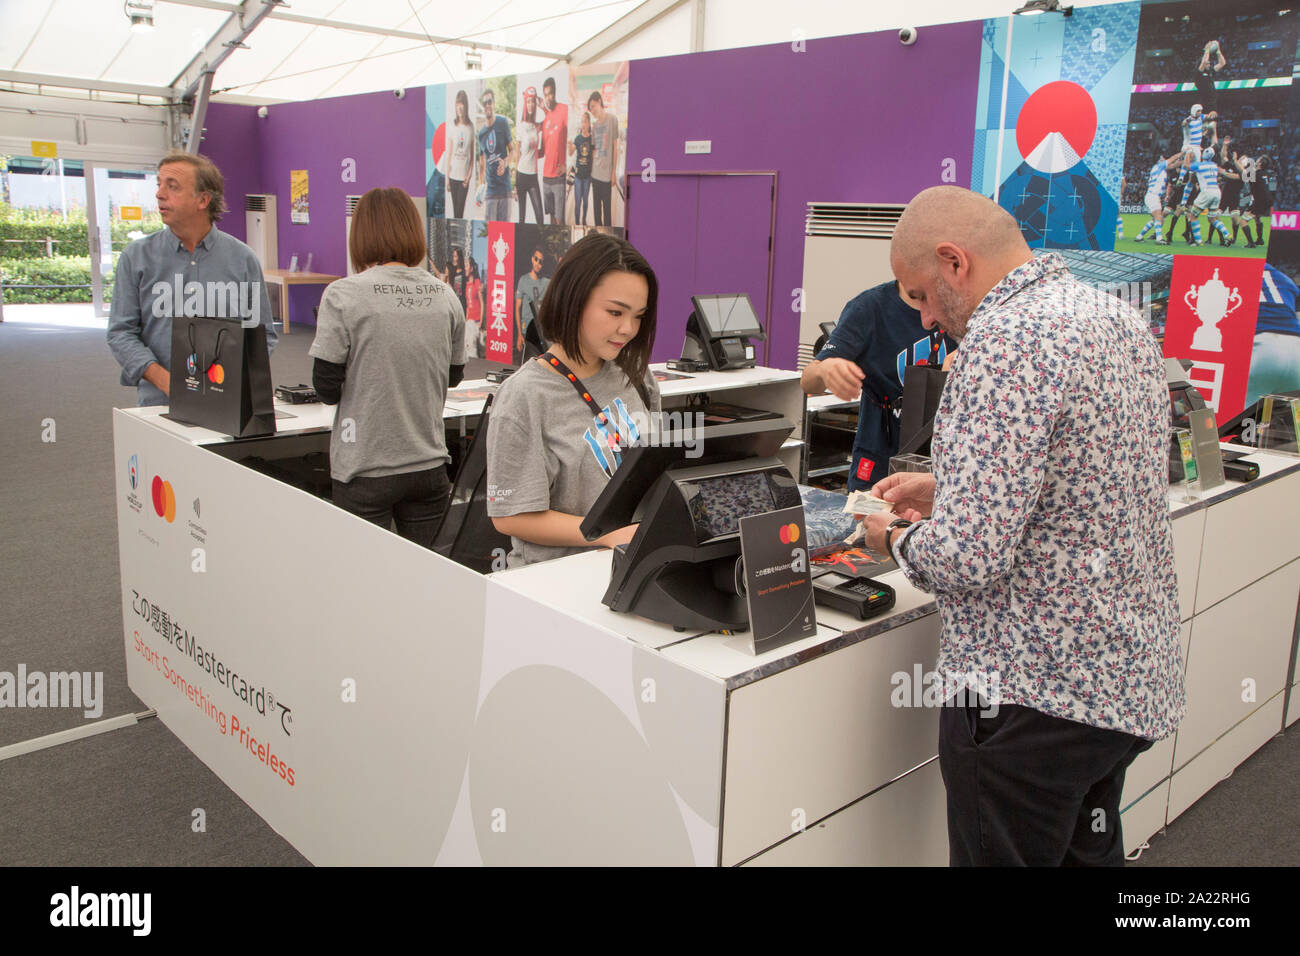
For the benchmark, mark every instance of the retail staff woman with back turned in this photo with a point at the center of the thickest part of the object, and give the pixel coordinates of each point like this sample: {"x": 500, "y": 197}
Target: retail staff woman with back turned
{"x": 389, "y": 341}
{"x": 560, "y": 422}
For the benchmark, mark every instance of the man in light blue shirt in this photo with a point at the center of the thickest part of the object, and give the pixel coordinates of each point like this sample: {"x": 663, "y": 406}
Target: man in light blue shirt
{"x": 188, "y": 268}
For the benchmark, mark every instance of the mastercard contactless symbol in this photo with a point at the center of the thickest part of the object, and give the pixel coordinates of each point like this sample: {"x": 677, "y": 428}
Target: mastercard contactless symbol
{"x": 164, "y": 499}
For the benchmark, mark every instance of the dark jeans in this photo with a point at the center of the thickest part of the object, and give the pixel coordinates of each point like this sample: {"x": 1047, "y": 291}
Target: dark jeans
{"x": 581, "y": 190}
{"x": 526, "y": 187}
{"x": 600, "y": 193}
{"x": 416, "y": 500}
{"x": 1026, "y": 789}
{"x": 459, "y": 190}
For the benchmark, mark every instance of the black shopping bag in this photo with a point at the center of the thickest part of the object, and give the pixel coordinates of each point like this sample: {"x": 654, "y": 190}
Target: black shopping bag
{"x": 922, "y": 388}
{"x": 221, "y": 377}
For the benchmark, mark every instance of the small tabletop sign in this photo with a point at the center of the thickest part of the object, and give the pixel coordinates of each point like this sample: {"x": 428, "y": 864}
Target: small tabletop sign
{"x": 778, "y": 585}
{"x": 1205, "y": 441}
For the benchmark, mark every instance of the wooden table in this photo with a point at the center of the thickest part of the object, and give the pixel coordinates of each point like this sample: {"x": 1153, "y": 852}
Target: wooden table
{"x": 284, "y": 278}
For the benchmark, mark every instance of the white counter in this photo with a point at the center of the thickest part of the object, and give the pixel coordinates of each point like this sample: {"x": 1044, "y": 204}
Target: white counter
{"x": 430, "y": 714}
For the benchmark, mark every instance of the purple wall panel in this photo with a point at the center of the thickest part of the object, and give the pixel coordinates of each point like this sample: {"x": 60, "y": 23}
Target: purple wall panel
{"x": 234, "y": 142}
{"x": 852, "y": 119}
{"x": 383, "y": 134}
{"x": 672, "y": 255}
{"x": 735, "y": 215}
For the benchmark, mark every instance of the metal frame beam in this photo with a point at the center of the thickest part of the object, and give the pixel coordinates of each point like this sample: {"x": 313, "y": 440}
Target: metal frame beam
{"x": 624, "y": 28}
{"x": 200, "y": 113}
{"x": 82, "y": 83}
{"x": 697, "y": 26}
{"x": 365, "y": 28}
{"x": 225, "y": 41}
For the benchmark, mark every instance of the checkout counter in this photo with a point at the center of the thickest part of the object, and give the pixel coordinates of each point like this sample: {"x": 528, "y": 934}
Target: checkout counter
{"x": 377, "y": 703}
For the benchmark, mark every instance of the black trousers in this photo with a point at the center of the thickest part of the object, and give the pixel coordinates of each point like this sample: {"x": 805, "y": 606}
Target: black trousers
{"x": 1027, "y": 789}
{"x": 601, "y": 193}
{"x": 416, "y": 501}
{"x": 459, "y": 190}
{"x": 526, "y": 187}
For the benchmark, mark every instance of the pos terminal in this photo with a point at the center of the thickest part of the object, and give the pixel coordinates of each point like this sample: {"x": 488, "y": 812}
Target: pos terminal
{"x": 681, "y": 566}
{"x": 719, "y": 331}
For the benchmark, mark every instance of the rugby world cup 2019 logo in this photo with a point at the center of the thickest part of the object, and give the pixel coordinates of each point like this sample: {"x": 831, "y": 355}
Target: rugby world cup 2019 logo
{"x": 133, "y": 481}
{"x": 192, "y": 365}
{"x": 164, "y": 499}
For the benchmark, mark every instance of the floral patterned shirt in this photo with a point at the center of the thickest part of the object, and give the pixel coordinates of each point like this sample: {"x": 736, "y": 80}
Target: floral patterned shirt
{"x": 1050, "y": 549}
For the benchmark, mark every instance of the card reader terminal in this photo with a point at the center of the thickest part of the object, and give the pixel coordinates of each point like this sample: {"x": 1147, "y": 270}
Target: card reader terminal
{"x": 860, "y": 597}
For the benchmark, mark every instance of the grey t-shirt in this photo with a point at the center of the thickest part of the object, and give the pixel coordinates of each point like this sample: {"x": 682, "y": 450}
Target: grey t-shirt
{"x": 528, "y": 289}
{"x": 546, "y": 451}
{"x": 604, "y": 136}
{"x": 398, "y": 329}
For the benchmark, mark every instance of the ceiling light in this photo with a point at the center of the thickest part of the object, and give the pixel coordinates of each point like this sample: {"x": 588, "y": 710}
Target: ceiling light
{"x": 1034, "y": 7}
{"x": 140, "y": 13}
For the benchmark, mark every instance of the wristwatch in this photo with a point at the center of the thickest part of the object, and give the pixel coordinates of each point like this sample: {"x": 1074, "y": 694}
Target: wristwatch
{"x": 896, "y": 523}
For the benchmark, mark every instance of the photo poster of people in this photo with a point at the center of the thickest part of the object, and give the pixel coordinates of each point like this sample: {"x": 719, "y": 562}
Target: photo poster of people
{"x": 599, "y": 103}
{"x": 499, "y": 272}
{"x": 435, "y": 156}
{"x": 1138, "y": 134}
{"x": 517, "y": 164}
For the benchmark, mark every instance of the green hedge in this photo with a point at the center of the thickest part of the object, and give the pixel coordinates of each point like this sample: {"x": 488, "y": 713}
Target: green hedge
{"x": 56, "y": 271}
{"x": 32, "y": 226}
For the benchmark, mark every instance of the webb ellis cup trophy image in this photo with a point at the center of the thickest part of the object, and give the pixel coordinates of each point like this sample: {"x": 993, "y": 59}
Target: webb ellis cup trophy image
{"x": 1212, "y": 303}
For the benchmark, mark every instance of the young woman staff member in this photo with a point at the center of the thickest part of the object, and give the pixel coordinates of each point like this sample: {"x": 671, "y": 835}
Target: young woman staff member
{"x": 550, "y": 450}
{"x": 389, "y": 341}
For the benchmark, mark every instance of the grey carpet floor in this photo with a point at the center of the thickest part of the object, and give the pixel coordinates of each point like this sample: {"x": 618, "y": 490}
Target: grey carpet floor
{"x": 127, "y": 797}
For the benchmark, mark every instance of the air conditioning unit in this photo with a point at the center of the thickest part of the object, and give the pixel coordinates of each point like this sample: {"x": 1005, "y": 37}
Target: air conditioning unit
{"x": 259, "y": 218}
{"x": 350, "y": 206}
{"x": 845, "y": 251}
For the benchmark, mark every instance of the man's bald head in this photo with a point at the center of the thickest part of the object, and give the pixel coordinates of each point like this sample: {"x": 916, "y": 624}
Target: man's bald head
{"x": 950, "y": 247}
{"x": 964, "y": 218}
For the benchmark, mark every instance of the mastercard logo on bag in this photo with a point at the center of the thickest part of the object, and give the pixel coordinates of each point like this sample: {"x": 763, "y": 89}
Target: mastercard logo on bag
{"x": 164, "y": 499}
{"x": 216, "y": 374}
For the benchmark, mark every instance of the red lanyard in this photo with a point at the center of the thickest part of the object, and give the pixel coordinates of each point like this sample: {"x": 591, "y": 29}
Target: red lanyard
{"x": 581, "y": 389}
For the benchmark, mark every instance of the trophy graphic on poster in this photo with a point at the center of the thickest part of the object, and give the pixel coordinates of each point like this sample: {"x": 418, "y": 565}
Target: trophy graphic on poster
{"x": 1212, "y": 303}
{"x": 501, "y": 249}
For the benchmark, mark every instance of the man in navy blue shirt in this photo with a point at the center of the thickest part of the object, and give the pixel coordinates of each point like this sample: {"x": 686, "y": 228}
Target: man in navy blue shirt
{"x": 877, "y": 336}
{"x": 494, "y": 160}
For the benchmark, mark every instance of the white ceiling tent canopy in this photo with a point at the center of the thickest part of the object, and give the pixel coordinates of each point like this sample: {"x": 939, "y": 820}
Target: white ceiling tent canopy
{"x": 267, "y": 51}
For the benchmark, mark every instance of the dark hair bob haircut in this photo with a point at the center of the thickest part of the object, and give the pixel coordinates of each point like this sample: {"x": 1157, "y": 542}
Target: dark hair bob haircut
{"x": 588, "y": 261}
{"x": 386, "y": 228}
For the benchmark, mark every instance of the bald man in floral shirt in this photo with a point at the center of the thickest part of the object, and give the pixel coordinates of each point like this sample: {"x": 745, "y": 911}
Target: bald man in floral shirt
{"x": 1044, "y": 534}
